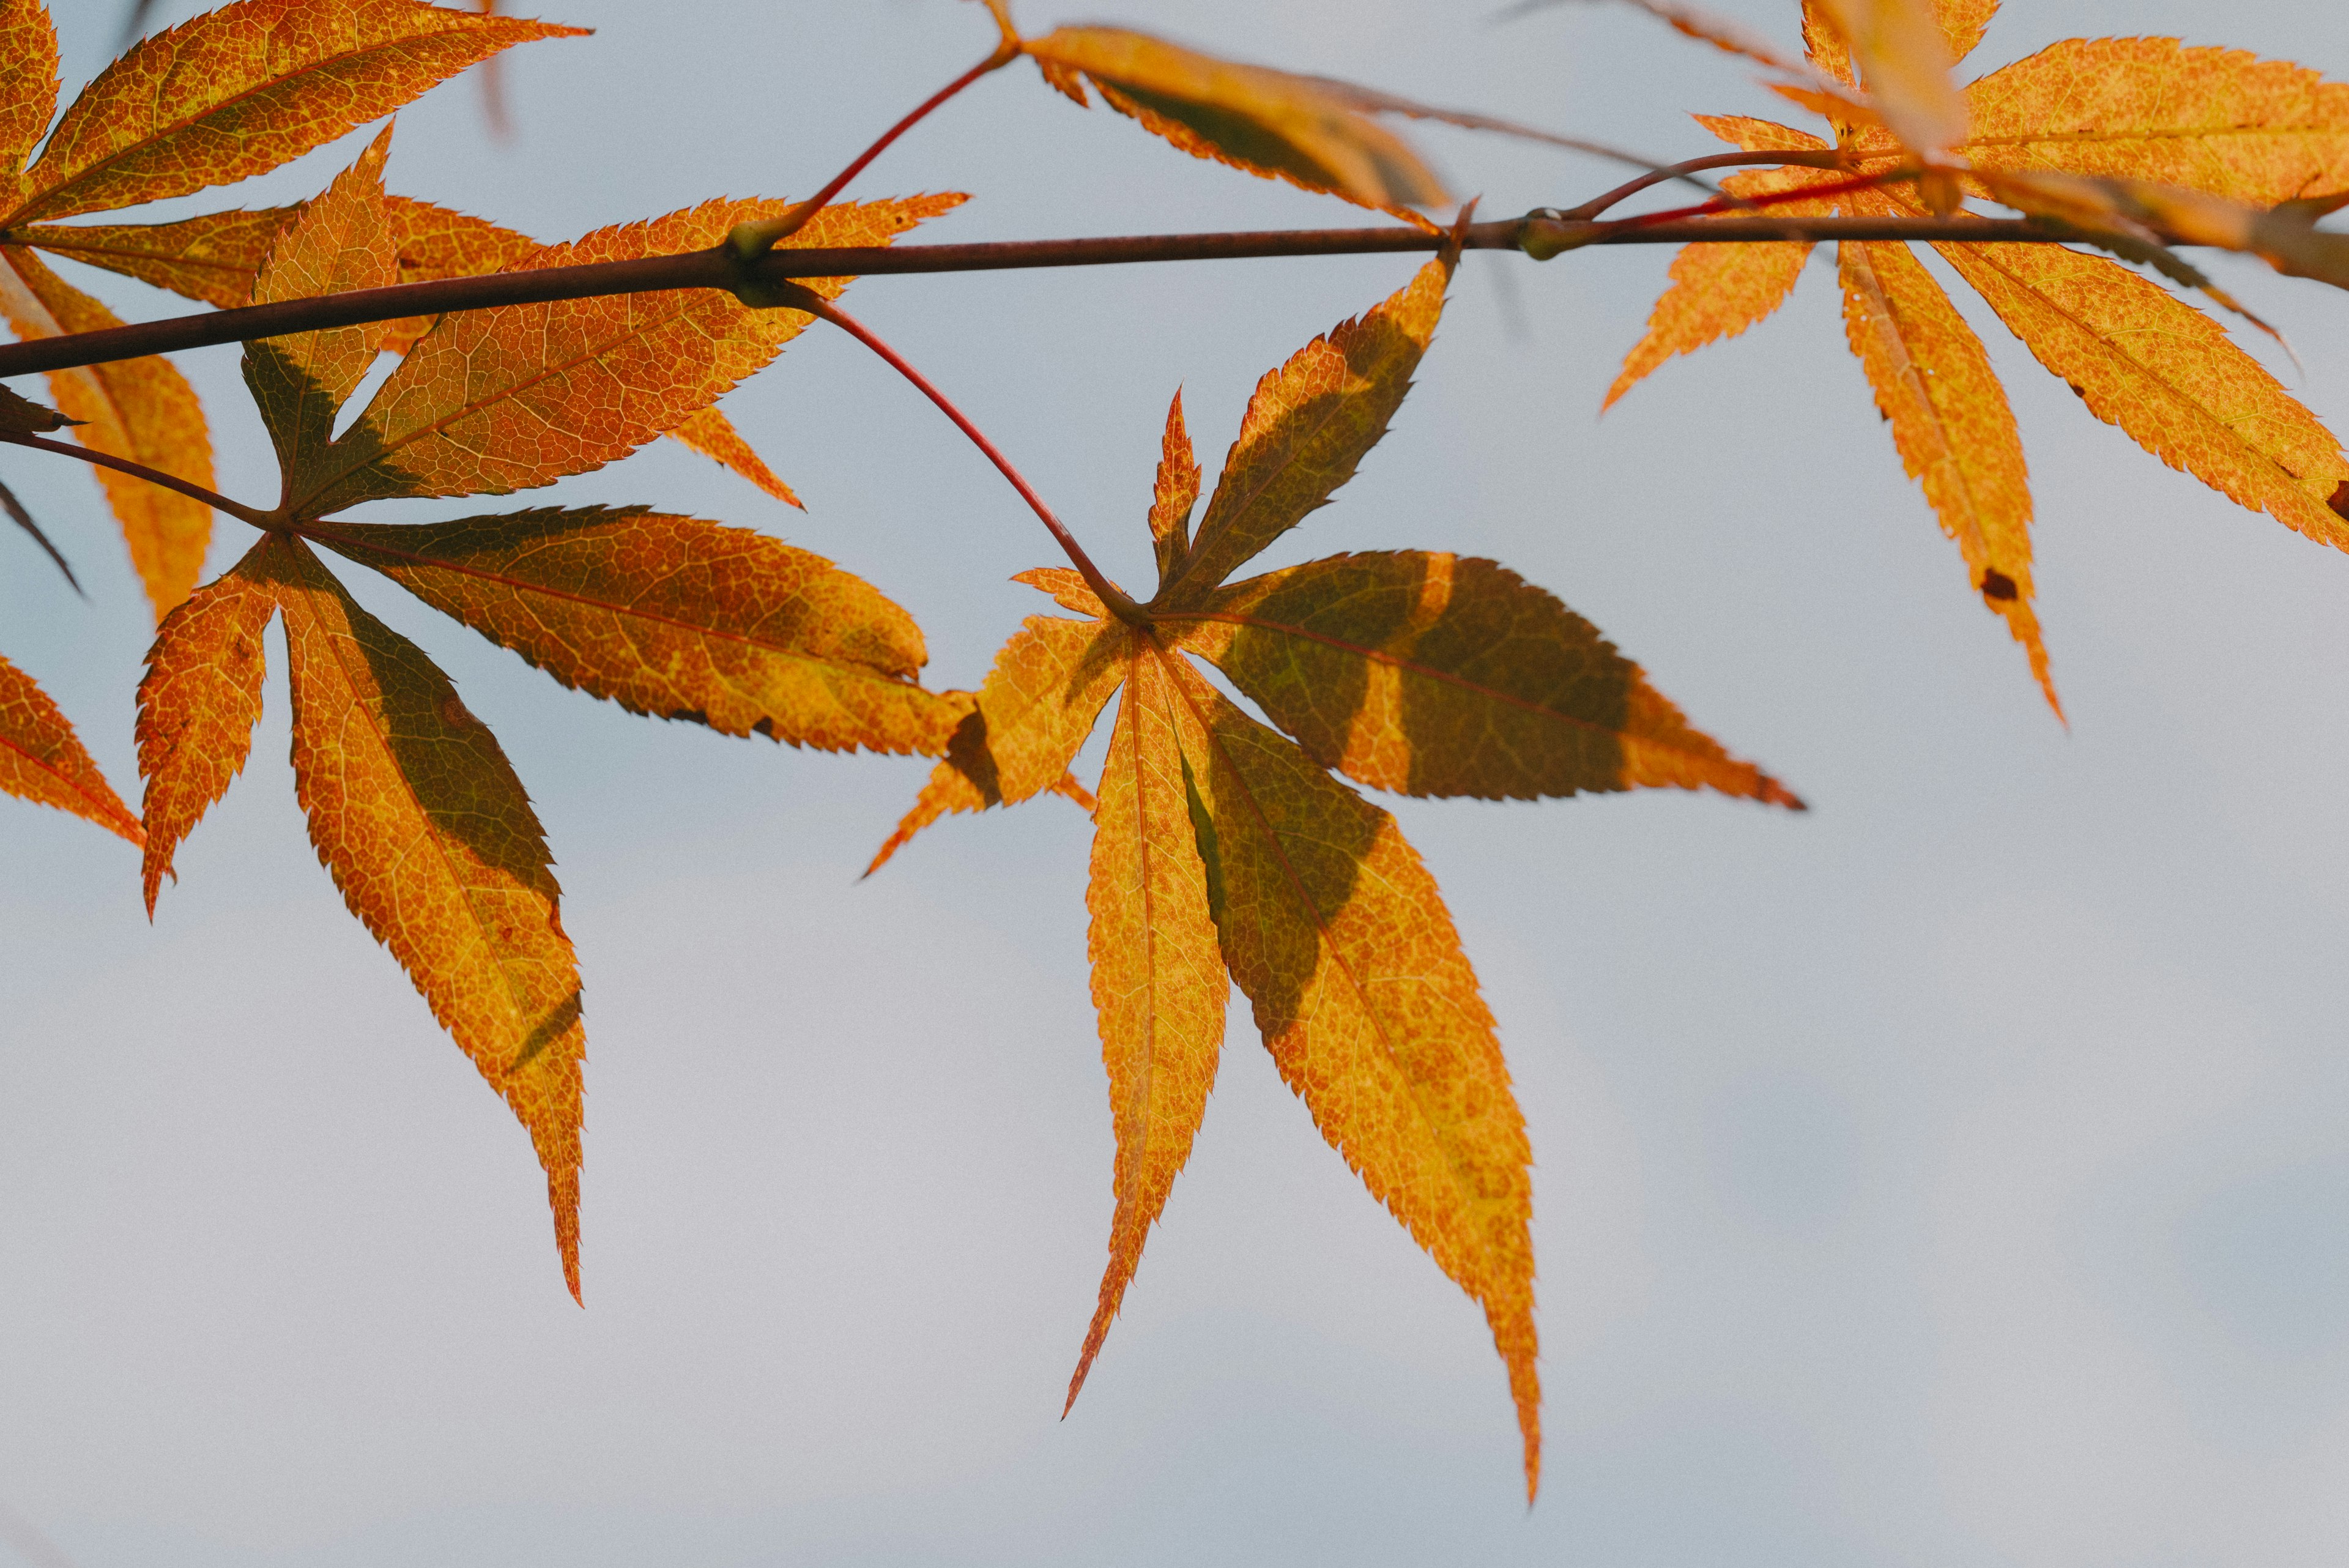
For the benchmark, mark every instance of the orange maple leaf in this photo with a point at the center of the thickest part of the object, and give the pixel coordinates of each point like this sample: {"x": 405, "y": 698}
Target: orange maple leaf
{"x": 1223, "y": 852}
{"x": 42, "y": 760}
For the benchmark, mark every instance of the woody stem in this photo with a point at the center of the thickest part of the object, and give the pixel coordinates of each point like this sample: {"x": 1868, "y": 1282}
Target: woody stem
{"x": 719, "y": 268}
{"x": 1120, "y": 606}
{"x": 237, "y": 510}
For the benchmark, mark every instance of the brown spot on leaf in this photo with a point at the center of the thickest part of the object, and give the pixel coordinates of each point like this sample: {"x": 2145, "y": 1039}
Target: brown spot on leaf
{"x": 1997, "y": 585}
{"x": 2340, "y": 502}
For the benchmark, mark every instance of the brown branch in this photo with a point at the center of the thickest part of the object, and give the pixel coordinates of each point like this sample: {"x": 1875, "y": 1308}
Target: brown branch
{"x": 717, "y": 268}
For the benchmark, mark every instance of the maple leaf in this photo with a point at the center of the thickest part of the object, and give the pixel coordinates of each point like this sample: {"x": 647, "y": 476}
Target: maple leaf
{"x": 1224, "y": 853}
{"x": 1309, "y": 131}
{"x": 223, "y": 97}
{"x": 505, "y": 398}
{"x": 43, "y": 761}
{"x": 411, "y": 805}
{"x": 2102, "y": 119}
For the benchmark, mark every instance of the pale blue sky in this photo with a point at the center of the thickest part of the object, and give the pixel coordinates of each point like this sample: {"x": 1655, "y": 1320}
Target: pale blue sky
{"x": 1957, "y": 1175}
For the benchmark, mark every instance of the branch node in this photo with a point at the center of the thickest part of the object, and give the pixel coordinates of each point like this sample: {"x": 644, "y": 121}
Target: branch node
{"x": 1545, "y": 231}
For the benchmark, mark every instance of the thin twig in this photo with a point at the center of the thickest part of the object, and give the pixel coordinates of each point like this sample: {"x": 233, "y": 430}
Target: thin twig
{"x": 1123, "y": 608}
{"x": 750, "y": 240}
{"x": 1830, "y": 158}
{"x": 235, "y": 509}
{"x": 716, "y": 269}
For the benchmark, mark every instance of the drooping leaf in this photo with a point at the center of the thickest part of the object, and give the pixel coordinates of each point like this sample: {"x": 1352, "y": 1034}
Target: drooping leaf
{"x": 1158, "y": 980}
{"x": 1174, "y": 496}
{"x": 340, "y": 242}
{"x": 1903, "y": 58}
{"x": 28, "y": 83}
{"x": 1038, "y": 703}
{"x": 242, "y": 89}
{"x": 678, "y": 618}
{"x": 142, "y": 410}
{"x": 1307, "y": 428}
{"x": 197, "y": 706}
{"x": 1420, "y": 673}
{"x": 501, "y": 400}
{"x": 416, "y": 813}
{"x": 1336, "y": 934}
{"x": 42, "y": 760}
{"x": 1719, "y": 291}
{"x": 1302, "y": 129}
{"x": 1951, "y": 421}
{"x": 2144, "y": 359}
{"x": 2218, "y": 121}
{"x": 22, "y": 519}
{"x": 213, "y": 258}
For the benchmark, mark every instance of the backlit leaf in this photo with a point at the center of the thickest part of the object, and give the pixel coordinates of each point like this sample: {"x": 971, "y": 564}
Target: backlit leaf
{"x": 1951, "y": 420}
{"x": 1174, "y": 496}
{"x": 28, "y": 82}
{"x": 42, "y": 760}
{"x": 414, "y": 811}
{"x": 341, "y": 241}
{"x": 713, "y": 435}
{"x": 1903, "y": 58}
{"x": 2220, "y": 121}
{"x": 213, "y": 258}
{"x": 676, "y": 618}
{"x": 1336, "y": 934}
{"x": 142, "y": 410}
{"x": 1307, "y": 428}
{"x": 197, "y": 706}
{"x": 1429, "y": 675}
{"x": 1719, "y": 291}
{"x": 1158, "y": 978}
{"x": 2144, "y": 359}
{"x": 1037, "y": 705}
{"x": 242, "y": 89}
{"x": 1299, "y": 128}
{"x": 501, "y": 400}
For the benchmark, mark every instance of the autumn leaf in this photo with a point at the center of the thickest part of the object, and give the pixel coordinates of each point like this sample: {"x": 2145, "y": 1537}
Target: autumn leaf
{"x": 1158, "y": 980}
{"x": 432, "y": 840}
{"x": 142, "y": 410}
{"x": 1303, "y": 130}
{"x": 1308, "y": 425}
{"x": 213, "y": 258}
{"x": 237, "y": 91}
{"x": 505, "y": 398}
{"x": 197, "y": 706}
{"x": 340, "y": 242}
{"x": 1421, "y": 673}
{"x": 1902, "y": 56}
{"x": 1175, "y": 495}
{"x": 1950, "y": 423}
{"x": 1335, "y": 932}
{"x": 42, "y": 760}
{"x": 676, "y": 617}
{"x": 2144, "y": 359}
{"x": 1719, "y": 291}
{"x": 28, "y": 83}
{"x": 1037, "y": 705}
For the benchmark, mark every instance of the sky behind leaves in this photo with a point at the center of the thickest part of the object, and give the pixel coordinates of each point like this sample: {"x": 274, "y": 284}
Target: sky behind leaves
{"x": 1958, "y": 1172}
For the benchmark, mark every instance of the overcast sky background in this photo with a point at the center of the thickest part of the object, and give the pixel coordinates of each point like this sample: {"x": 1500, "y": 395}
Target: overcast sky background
{"x": 1956, "y": 1175}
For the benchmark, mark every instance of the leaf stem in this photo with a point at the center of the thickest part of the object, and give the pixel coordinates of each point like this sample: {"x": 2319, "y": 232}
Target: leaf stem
{"x": 1120, "y": 606}
{"x": 1829, "y": 159}
{"x": 237, "y": 510}
{"x": 717, "y": 268}
{"x": 751, "y": 241}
